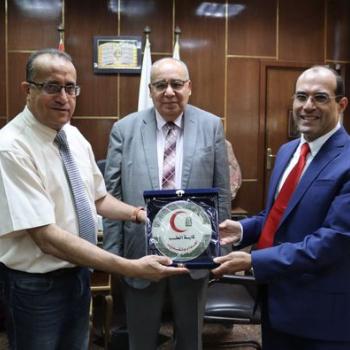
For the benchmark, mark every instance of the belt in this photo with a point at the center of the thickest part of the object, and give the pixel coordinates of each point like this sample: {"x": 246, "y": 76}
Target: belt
{"x": 66, "y": 271}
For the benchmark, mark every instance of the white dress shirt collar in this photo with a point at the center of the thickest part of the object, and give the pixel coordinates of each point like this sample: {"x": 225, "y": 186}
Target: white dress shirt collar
{"x": 161, "y": 121}
{"x": 31, "y": 121}
{"x": 316, "y": 145}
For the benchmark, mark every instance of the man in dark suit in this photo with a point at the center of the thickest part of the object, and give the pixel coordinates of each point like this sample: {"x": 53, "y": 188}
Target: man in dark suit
{"x": 304, "y": 269}
{"x": 134, "y": 164}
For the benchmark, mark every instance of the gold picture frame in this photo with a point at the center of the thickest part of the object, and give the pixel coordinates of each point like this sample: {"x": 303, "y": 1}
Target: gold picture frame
{"x": 117, "y": 54}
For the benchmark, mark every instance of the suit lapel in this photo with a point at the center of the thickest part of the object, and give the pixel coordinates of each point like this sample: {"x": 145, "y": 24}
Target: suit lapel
{"x": 327, "y": 153}
{"x": 283, "y": 161}
{"x": 149, "y": 144}
{"x": 189, "y": 144}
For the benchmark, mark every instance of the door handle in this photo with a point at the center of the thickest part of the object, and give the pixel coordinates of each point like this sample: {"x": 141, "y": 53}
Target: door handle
{"x": 269, "y": 158}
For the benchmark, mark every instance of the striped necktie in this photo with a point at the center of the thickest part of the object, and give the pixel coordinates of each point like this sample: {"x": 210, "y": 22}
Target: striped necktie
{"x": 273, "y": 220}
{"x": 87, "y": 225}
{"x": 168, "y": 179}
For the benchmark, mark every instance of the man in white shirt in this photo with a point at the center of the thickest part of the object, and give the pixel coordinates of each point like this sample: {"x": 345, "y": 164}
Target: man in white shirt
{"x": 303, "y": 259}
{"x": 46, "y": 288}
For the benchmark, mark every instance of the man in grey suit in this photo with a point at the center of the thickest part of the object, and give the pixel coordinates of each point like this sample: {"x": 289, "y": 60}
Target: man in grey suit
{"x": 134, "y": 164}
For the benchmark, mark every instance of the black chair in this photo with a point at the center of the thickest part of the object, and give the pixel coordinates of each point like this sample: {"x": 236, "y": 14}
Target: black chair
{"x": 232, "y": 300}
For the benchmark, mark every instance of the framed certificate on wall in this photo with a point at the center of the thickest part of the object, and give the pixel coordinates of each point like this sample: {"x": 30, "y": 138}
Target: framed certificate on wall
{"x": 117, "y": 54}
{"x": 183, "y": 225}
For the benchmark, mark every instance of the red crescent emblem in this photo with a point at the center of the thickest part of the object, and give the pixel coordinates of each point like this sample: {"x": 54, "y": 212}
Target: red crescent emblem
{"x": 172, "y": 221}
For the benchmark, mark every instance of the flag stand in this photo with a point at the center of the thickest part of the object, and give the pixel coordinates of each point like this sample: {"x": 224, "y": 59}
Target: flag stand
{"x": 60, "y": 30}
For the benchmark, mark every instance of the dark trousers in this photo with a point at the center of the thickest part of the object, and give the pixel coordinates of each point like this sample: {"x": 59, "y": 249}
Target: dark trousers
{"x": 46, "y": 311}
{"x": 273, "y": 339}
{"x": 144, "y": 310}
{"x": 2, "y": 316}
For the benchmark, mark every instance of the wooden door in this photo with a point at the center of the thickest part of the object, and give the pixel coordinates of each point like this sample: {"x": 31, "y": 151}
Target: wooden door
{"x": 278, "y": 85}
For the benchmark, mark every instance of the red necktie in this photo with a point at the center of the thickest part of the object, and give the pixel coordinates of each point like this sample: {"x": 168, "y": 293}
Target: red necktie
{"x": 269, "y": 230}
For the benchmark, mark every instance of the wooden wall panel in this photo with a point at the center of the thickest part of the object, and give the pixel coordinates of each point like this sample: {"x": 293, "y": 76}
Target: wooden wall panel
{"x": 129, "y": 94}
{"x": 249, "y": 197}
{"x": 2, "y": 122}
{"x": 16, "y": 63}
{"x": 135, "y": 16}
{"x": 33, "y": 24}
{"x": 243, "y": 100}
{"x": 338, "y": 30}
{"x": 347, "y": 93}
{"x": 203, "y": 49}
{"x": 157, "y": 14}
{"x": 2, "y": 61}
{"x": 252, "y": 28}
{"x": 301, "y": 36}
{"x": 242, "y": 124}
{"x": 97, "y": 132}
{"x": 129, "y": 91}
{"x": 295, "y": 31}
{"x": 99, "y": 94}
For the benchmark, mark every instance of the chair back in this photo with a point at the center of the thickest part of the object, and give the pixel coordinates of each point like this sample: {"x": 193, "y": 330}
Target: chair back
{"x": 232, "y": 300}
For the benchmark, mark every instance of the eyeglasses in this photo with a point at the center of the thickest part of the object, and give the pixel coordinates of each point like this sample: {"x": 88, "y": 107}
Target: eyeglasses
{"x": 52, "y": 88}
{"x": 320, "y": 98}
{"x": 175, "y": 84}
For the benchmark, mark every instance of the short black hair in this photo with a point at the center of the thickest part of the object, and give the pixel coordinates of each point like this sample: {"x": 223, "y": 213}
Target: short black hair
{"x": 30, "y": 67}
{"x": 339, "y": 87}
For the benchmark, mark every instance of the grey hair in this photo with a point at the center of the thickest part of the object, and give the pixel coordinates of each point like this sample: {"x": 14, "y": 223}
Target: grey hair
{"x": 157, "y": 63}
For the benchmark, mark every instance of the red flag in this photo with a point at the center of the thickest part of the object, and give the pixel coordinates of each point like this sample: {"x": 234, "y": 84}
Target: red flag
{"x": 61, "y": 45}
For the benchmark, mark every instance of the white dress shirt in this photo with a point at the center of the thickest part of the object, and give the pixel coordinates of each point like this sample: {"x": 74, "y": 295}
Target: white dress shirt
{"x": 161, "y": 133}
{"x": 315, "y": 147}
{"x": 34, "y": 190}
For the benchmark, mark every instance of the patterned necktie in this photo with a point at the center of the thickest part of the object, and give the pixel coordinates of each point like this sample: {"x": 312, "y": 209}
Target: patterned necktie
{"x": 87, "y": 226}
{"x": 269, "y": 230}
{"x": 168, "y": 179}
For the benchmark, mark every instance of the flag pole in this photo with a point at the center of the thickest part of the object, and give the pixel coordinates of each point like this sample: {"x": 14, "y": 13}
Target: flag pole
{"x": 147, "y": 31}
{"x": 145, "y": 100}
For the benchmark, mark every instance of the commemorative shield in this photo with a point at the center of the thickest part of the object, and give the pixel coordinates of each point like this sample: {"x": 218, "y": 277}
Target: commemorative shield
{"x": 183, "y": 225}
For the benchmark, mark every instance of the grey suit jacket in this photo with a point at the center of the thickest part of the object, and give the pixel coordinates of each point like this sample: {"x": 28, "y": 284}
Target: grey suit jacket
{"x": 132, "y": 168}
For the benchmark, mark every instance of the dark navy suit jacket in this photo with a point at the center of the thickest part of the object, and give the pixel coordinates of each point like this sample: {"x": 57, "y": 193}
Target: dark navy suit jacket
{"x": 307, "y": 271}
